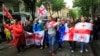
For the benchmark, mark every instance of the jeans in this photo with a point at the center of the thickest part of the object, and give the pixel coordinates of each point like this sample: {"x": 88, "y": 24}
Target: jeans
{"x": 72, "y": 45}
{"x": 91, "y": 39}
{"x": 83, "y": 46}
{"x": 46, "y": 40}
{"x": 52, "y": 39}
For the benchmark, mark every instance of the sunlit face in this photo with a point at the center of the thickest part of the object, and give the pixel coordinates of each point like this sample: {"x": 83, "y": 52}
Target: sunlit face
{"x": 58, "y": 20}
{"x": 49, "y": 18}
{"x": 71, "y": 20}
{"x": 91, "y": 21}
{"x": 82, "y": 19}
{"x": 36, "y": 20}
{"x": 27, "y": 22}
{"x": 62, "y": 21}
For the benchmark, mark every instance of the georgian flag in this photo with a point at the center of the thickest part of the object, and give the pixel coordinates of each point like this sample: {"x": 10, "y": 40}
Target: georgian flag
{"x": 6, "y": 12}
{"x": 52, "y": 24}
{"x": 34, "y": 38}
{"x": 39, "y": 36}
{"x": 29, "y": 38}
{"x": 69, "y": 34}
{"x": 42, "y": 11}
{"x": 82, "y": 32}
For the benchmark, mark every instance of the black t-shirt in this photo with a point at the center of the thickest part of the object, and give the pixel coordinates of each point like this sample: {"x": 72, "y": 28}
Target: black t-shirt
{"x": 1, "y": 28}
{"x": 28, "y": 28}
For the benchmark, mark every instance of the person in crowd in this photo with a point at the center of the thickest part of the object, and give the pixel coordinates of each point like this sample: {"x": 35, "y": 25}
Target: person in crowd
{"x": 37, "y": 27}
{"x": 1, "y": 31}
{"x": 61, "y": 31}
{"x": 27, "y": 26}
{"x": 91, "y": 36}
{"x": 17, "y": 31}
{"x": 51, "y": 26}
{"x": 8, "y": 33}
{"x": 83, "y": 45}
{"x": 42, "y": 29}
{"x": 46, "y": 40}
{"x": 2, "y": 34}
{"x": 96, "y": 28}
{"x": 70, "y": 26}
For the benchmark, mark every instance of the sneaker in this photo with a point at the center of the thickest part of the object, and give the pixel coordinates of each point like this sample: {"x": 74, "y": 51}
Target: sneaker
{"x": 50, "y": 51}
{"x": 46, "y": 46}
{"x": 0, "y": 51}
{"x": 81, "y": 51}
{"x": 41, "y": 48}
{"x": 86, "y": 50}
{"x": 19, "y": 53}
{"x": 70, "y": 47}
{"x": 72, "y": 51}
{"x": 59, "y": 48}
{"x": 53, "y": 54}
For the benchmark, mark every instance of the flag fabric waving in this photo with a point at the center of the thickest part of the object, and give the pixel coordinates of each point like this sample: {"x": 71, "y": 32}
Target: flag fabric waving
{"x": 42, "y": 11}
{"x": 38, "y": 37}
{"x": 82, "y": 32}
{"x": 52, "y": 24}
{"x": 79, "y": 33}
{"x": 34, "y": 38}
{"x": 6, "y": 12}
{"x": 29, "y": 38}
{"x": 69, "y": 34}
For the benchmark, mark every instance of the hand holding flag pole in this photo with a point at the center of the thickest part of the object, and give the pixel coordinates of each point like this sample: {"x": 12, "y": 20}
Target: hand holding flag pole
{"x": 6, "y": 12}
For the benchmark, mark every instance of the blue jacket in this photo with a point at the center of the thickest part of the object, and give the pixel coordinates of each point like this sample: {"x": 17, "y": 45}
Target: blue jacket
{"x": 60, "y": 33}
{"x": 37, "y": 27}
{"x": 62, "y": 28}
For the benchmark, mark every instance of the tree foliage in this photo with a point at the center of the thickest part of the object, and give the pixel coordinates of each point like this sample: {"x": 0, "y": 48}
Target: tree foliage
{"x": 86, "y": 5}
{"x": 31, "y": 5}
{"x": 44, "y": 2}
{"x": 74, "y": 13}
{"x": 54, "y": 5}
{"x": 57, "y": 5}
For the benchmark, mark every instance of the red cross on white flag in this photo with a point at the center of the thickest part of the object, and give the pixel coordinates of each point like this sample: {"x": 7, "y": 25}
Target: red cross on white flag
{"x": 82, "y": 32}
{"x": 42, "y": 11}
{"x": 6, "y": 12}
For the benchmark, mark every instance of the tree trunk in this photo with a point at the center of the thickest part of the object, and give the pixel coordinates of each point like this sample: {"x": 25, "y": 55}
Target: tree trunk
{"x": 58, "y": 13}
{"x": 34, "y": 9}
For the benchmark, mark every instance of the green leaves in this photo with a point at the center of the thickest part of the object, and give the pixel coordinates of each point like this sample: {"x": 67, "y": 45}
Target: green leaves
{"x": 54, "y": 5}
{"x": 86, "y": 5}
{"x": 74, "y": 13}
{"x": 58, "y": 5}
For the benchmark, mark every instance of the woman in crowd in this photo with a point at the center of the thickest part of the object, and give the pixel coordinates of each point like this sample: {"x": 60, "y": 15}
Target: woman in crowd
{"x": 18, "y": 35}
{"x": 51, "y": 35}
{"x": 8, "y": 33}
{"x": 60, "y": 32}
{"x": 46, "y": 40}
{"x": 83, "y": 45}
{"x": 28, "y": 26}
{"x": 37, "y": 28}
{"x": 91, "y": 36}
{"x": 70, "y": 26}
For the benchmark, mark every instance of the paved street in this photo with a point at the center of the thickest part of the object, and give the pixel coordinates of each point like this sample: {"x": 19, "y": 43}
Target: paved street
{"x": 8, "y": 50}
{"x": 96, "y": 48}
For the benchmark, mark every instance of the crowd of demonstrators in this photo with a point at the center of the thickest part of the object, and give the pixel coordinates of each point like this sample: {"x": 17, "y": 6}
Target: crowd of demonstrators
{"x": 71, "y": 25}
{"x": 2, "y": 35}
{"x": 82, "y": 44}
{"x": 18, "y": 34}
{"x": 47, "y": 33}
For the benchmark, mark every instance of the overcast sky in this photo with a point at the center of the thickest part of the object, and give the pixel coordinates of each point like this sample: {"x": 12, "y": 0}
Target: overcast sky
{"x": 68, "y": 3}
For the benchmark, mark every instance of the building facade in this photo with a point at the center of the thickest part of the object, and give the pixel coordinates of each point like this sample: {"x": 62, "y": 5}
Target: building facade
{"x": 13, "y": 5}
